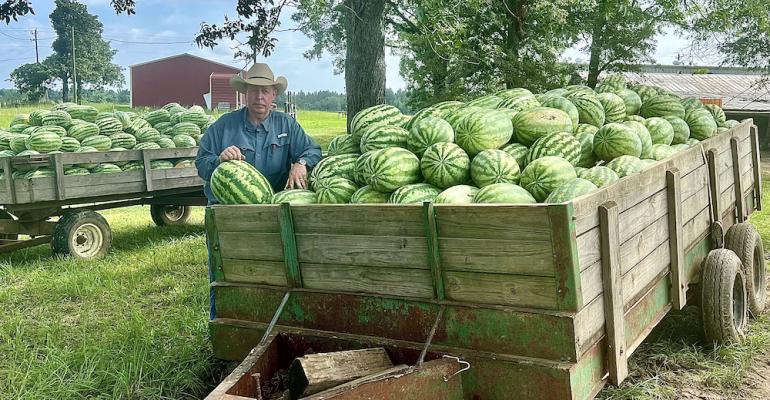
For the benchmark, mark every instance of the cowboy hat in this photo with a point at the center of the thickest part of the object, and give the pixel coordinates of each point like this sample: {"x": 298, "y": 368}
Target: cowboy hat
{"x": 258, "y": 75}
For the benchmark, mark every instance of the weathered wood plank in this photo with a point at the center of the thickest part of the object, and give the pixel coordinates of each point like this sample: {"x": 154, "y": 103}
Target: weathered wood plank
{"x": 359, "y": 219}
{"x": 714, "y": 187}
{"x": 376, "y": 251}
{"x": 514, "y": 290}
{"x": 755, "y": 163}
{"x": 251, "y": 246}
{"x": 694, "y": 229}
{"x": 173, "y": 183}
{"x": 168, "y": 173}
{"x": 591, "y": 282}
{"x": 529, "y": 223}
{"x": 676, "y": 237}
{"x": 357, "y": 279}
{"x": 257, "y": 272}
{"x": 589, "y": 322}
{"x": 569, "y": 295}
{"x": 740, "y": 208}
{"x": 644, "y": 243}
{"x": 613, "y": 290}
{"x": 497, "y": 256}
{"x": 643, "y": 274}
{"x": 256, "y": 219}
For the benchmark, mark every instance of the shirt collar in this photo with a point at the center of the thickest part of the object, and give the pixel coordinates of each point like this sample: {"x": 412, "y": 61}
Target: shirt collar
{"x": 262, "y": 126}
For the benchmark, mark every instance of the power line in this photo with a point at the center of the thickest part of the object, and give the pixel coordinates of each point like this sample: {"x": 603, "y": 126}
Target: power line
{"x": 17, "y": 59}
{"x": 133, "y": 42}
{"x": 12, "y": 37}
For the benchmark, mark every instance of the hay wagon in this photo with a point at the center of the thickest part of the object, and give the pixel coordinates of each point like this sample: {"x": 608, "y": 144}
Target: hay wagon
{"x": 29, "y": 205}
{"x": 542, "y": 301}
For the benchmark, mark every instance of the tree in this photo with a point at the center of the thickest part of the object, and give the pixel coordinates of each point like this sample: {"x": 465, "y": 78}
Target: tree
{"x": 13, "y": 9}
{"x": 32, "y": 80}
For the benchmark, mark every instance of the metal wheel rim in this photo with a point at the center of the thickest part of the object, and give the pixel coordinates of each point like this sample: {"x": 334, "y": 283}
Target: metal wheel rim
{"x": 87, "y": 240}
{"x": 739, "y": 303}
{"x": 173, "y": 213}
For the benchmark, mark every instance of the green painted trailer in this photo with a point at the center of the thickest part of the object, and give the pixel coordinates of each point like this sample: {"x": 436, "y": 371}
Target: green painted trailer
{"x": 542, "y": 301}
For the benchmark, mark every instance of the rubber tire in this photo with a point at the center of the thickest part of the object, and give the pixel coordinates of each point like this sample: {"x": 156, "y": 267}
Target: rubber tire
{"x": 723, "y": 305}
{"x": 744, "y": 240}
{"x": 7, "y": 236}
{"x": 160, "y": 218}
{"x": 67, "y": 227}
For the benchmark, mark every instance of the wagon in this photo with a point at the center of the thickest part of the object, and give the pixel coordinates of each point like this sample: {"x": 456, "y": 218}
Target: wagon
{"x": 542, "y": 301}
{"x": 28, "y": 206}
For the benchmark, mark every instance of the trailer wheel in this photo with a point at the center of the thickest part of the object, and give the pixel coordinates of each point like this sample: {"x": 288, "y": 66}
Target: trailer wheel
{"x": 744, "y": 240}
{"x": 170, "y": 215}
{"x": 82, "y": 234}
{"x": 723, "y": 297}
{"x": 7, "y": 236}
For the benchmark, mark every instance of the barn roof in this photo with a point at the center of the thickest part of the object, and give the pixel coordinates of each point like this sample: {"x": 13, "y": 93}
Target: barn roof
{"x": 235, "y": 70}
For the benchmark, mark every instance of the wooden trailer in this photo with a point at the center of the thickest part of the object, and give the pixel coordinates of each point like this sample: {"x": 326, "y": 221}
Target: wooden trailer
{"x": 542, "y": 301}
{"x": 30, "y": 206}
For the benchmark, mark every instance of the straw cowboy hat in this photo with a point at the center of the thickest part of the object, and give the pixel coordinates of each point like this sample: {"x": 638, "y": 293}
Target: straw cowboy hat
{"x": 258, "y": 75}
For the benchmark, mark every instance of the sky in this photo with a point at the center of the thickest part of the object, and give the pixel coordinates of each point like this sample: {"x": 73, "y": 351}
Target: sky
{"x": 162, "y": 28}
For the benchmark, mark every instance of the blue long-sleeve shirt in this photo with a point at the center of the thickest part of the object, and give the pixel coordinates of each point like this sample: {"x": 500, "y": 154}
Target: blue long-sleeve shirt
{"x": 271, "y": 146}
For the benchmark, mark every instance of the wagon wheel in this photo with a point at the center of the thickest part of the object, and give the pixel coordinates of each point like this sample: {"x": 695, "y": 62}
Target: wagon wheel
{"x": 7, "y": 236}
{"x": 170, "y": 215}
{"x": 82, "y": 234}
{"x": 744, "y": 240}
{"x": 723, "y": 297}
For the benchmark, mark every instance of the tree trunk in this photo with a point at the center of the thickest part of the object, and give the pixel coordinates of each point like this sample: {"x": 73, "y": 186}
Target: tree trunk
{"x": 512, "y": 42}
{"x": 65, "y": 87}
{"x": 597, "y": 42}
{"x": 365, "y": 55}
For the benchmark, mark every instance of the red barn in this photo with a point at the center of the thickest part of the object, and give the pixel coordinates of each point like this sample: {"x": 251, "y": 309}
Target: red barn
{"x": 185, "y": 79}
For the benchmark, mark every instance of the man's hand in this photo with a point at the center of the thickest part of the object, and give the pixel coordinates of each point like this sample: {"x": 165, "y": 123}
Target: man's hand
{"x": 231, "y": 153}
{"x": 297, "y": 177}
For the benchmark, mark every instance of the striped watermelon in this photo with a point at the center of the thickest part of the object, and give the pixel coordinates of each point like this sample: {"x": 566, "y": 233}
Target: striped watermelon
{"x": 18, "y": 128}
{"x": 36, "y": 117}
{"x": 173, "y": 107}
{"x": 557, "y": 92}
{"x": 423, "y": 113}
{"x": 428, "y": 131}
{"x": 559, "y": 144}
{"x": 631, "y": 100}
{"x": 460, "y": 194}
{"x": 579, "y": 90}
{"x": 731, "y": 123}
{"x": 445, "y": 107}
{"x": 614, "y": 81}
{"x": 520, "y": 103}
{"x": 489, "y": 102}
{"x": 335, "y": 190}
{"x": 701, "y": 123}
{"x": 122, "y": 139}
{"x": 184, "y": 141}
{"x": 40, "y": 173}
{"x": 157, "y": 116}
{"x": 76, "y": 171}
{"x": 718, "y": 114}
{"x": 44, "y": 141}
{"x": 120, "y": 164}
{"x": 389, "y": 169}
{"x": 383, "y": 136}
{"x": 662, "y": 151}
{"x": 125, "y": 118}
{"x": 518, "y": 151}
{"x": 561, "y": 103}
{"x": 645, "y": 91}
{"x": 19, "y": 119}
{"x": 165, "y": 143}
{"x": 681, "y": 129}
{"x": 86, "y": 149}
{"x": 614, "y": 140}
{"x": 342, "y": 165}
{"x": 137, "y": 124}
{"x": 27, "y": 153}
{"x": 614, "y": 107}
{"x": 456, "y": 116}
{"x": 690, "y": 103}
{"x": 7, "y": 153}
{"x": 660, "y": 106}
{"x": 587, "y": 157}
{"x": 636, "y": 118}
{"x": 185, "y": 128}
{"x": 513, "y": 93}
{"x": 507, "y": 193}
{"x": 691, "y": 142}
{"x": 133, "y": 166}
{"x": 367, "y": 195}
{"x": 165, "y": 128}
{"x": 343, "y": 144}
{"x": 55, "y": 129}
{"x": 108, "y": 126}
{"x": 445, "y": 164}
{"x": 382, "y": 114}
{"x": 482, "y": 130}
{"x": 84, "y": 112}
{"x": 361, "y": 168}
{"x": 589, "y": 108}
{"x": 161, "y": 164}
{"x": 599, "y": 175}
{"x": 530, "y": 125}
{"x": 644, "y": 137}
{"x": 238, "y": 182}
{"x": 56, "y": 117}
{"x": 147, "y": 134}
{"x": 571, "y": 190}
{"x": 661, "y": 131}
{"x": 106, "y": 168}
{"x": 18, "y": 143}
{"x": 586, "y": 128}
{"x": 295, "y": 196}
{"x": 83, "y": 131}
{"x": 544, "y": 175}
{"x": 680, "y": 147}
{"x": 414, "y": 193}
{"x": 99, "y": 142}
{"x": 626, "y": 165}
{"x": 197, "y": 116}
{"x": 147, "y": 146}
{"x": 104, "y": 114}
{"x": 494, "y": 166}
{"x": 185, "y": 163}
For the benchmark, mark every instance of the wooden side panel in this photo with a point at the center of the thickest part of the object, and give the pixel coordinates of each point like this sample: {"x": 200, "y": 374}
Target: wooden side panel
{"x": 357, "y": 279}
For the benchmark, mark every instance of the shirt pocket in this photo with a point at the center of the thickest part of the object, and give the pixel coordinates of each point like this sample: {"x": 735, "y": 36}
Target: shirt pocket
{"x": 278, "y": 153}
{"x": 247, "y": 149}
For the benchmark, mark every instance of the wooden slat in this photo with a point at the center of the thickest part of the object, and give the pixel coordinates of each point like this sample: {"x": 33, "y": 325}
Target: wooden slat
{"x": 644, "y": 243}
{"x": 255, "y": 219}
{"x": 636, "y": 281}
{"x": 289, "y": 241}
{"x": 613, "y": 289}
{"x": 497, "y": 256}
{"x": 528, "y": 223}
{"x": 375, "y": 251}
{"x": 363, "y": 219}
{"x": 173, "y": 183}
{"x": 147, "y": 163}
{"x": 433, "y": 251}
{"x": 740, "y": 208}
{"x": 591, "y": 281}
{"x": 714, "y": 184}
{"x": 755, "y": 162}
{"x": 514, "y": 290}
{"x": 696, "y": 228}
{"x": 676, "y": 236}
{"x": 258, "y": 272}
{"x": 168, "y": 173}
{"x": 251, "y": 246}
{"x": 357, "y": 279}
{"x": 58, "y": 169}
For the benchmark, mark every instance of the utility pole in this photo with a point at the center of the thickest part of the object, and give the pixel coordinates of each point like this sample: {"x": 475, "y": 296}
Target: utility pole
{"x": 74, "y": 69}
{"x": 37, "y": 56}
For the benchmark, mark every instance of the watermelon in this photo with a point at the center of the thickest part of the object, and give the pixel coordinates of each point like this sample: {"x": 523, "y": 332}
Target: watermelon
{"x": 76, "y": 171}
{"x": 54, "y": 129}
{"x": 662, "y": 151}
{"x": 185, "y": 163}
{"x": 342, "y": 144}
{"x": 185, "y": 128}
{"x": 631, "y": 100}
{"x": 731, "y": 123}
{"x": 578, "y": 90}
{"x": 172, "y": 107}
{"x": 18, "y": 128}
{"x": 445, "y": 164}
{"x": 86, "y": 149}
{"x": 644, "y": 137}
{"x": 335, "y": 190}
{"x": 165, "y": 128}
{"x": 196, "y": 116}
{"x": 414, "y": 193}
{"x": 545, "y": 174}
{"x": 295, "y": 196}
{"x": 645, "y": 92}
{"x": 83, "y": 112}
{"x": 157, "y": 116}
{"x": 40, "y": 173}
{"x": 83, "y": 131}
{"x": 383, "y": 136}
{"x": 7, "y": 153}
{"x": 494, "y": 166}
{"x": 701, "y": 123}
{"x": 56, "y": 117}
{"x": 382, "y": 114}
{"x": 165, "y": 143}
{"x": 107, "y": 126}
{"x": 122, "y": 139}
{"x": 520, "y": 103}
{"x": 18, "y": 143}
{"x": 661, "y": 131}
{"x": 681, "y": 130}
{"x": 691, "y": 103}
{"x": 456, "y": 116}
{"x": 614, "y": 140}
{"x": 625, "y": 165}
{"x": 718, "y": 114}
{"x": 614, "y": 107}
{"x": 19, "y": 119}
{"x": 518, "y": 151}
{"x": 561, "y": 103}
{"x": 146, "y": 146}
{"x": 99, "y": 142}
{"x": 587, "y": 157}
{"x": 342, "y": 165}
{"x": 599, "y": 175}
{"x": 482, "y": 130}
{"x": 557, "y": 92}
{"x": 646, "y": 162}
{"x": 571, "y": 190}
{"x": 513, "y": 93}
{"x": 137, "y": 124}
{"x": 133, "y": 166}
{"x": 361, "y": 167}
{"x": 423, "y": 113}
{"x": 147, "y": 134}
{"x": 615, "y": 81}
{"x": 459, "y": 194}
{"x": 445, "y": 107}
{"x": 238, "y": 182}
{"x": 660, "y": 106}
{"x": 691, "y": 142}
{"x": 43, "y": 141}
{"x": 184, "y": 141}
{"x": 36, "y": 117}
{"x": 428, "y": 131}
{"x": 28, "y": 153}
{"x": 559, "y": 144}
{"x": 106, "y": 168}
{"x": 586, "y": 128}
{"x": 125, "y": 118}
{"x": 680, "y": 147}
{"x": 367, "y": 195}
{"x": 589, "y": 107}
{"x": 530, "y": 125}
{"x": 489, "y": 102}
{"x": 507, "y": 193}
{"x": 161, "y": 164}
{"x": 389, "y": 169}
{"x": 636, "y": 118}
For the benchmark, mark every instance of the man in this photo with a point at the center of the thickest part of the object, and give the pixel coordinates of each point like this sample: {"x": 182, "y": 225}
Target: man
{"x": 271, "y": 141}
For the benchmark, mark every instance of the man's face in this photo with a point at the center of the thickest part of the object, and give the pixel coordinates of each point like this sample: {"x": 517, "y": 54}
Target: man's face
{"x": 259, "y": 99}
